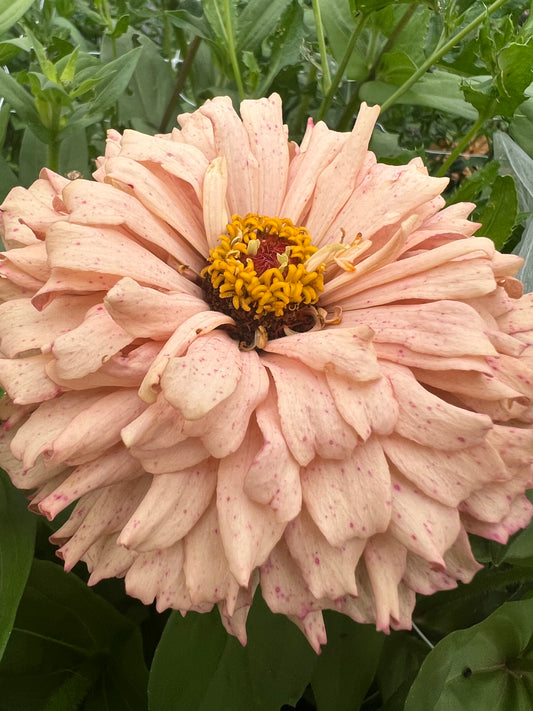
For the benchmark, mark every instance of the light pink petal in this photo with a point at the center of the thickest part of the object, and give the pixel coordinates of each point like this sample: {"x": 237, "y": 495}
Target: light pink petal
{"x": 424, "y": 526}
{"x": 345, "y": 351}
{"x": 196, "y": 130}
{"x": 514, "y": 444}
{"x": 520, "y": 318}
{"x": 386, "y": 196}
{"x": 26, "y": 380}
{"x": 110, "y": 508}
{"x": 38, "y": 433}
{"x": 32, "y": 207}
{"x": 97, "y": 427}
{"x": 215, "y": 209}
{"x": 404, "y": 356}
{"x": 83, "y": 349}
{"x": 223, "y": 428}
{"x": 323, "y": 145}
{"x": 120, "y": 370}
{"x": 163, "y": 460}
{"x": 180, "y": 159}
{"x": 195, "y": 326}
{"x": 107, "y": 560}
{"x": 518, "y": 517}
{"x": 14, "y": 232}
{"x": 159, "y": 574}
{"x": 170, "y": 508}
{"x": 205, "y": 376}
{"x": 109, "y": 251}
{"x": 343, "y": 173}
{"x": 313, "y": 627}
{"x": 263, "y": 121}
{"x": 367, "y": 407}
{"x": 164, "y": 196}
{"x": 91, "y": 203}
{"x": 447, "y": 476}
{"x": 231, "y": 141}
{"x": 235, "y": 623}
{"x": 30, "y": 262}
{"x": 470, "y": 277}
{"x": 147, "y": 313}
{"x": 351, "y": 498}
{"x": 328, "y": 571}
{"x": 68, "y": 281}
{"x": 310, "y": 421}
{"x": 22, "y": 327}
{"x": 482, "y": 386}
{"x": 430, "y": 421}
{"x": 273, "y": 478}
{"x": 115, "y": 465}
{"x": 211, "y": 582}
{"x": 444, "y": 328}
{"x": 160, "y": 425}
{"x": 249, "y": 531}
{"x": 493, "y": 502}
{"x": 385, "y": 560}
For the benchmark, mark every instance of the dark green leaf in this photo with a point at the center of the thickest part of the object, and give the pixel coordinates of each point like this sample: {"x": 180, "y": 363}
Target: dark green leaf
{"x": 21, "y": 102}
{"x": 257, "y": 21}
{"x": 17, "y": 535}
{"x": 69, "y": 646}
{"x": 499, "y": 215}
{"x": 515, "y": 64}
{"x": 199, "y": 667}
{"x": 339, "y": 25}
{"x": 347, "y": 664}
{"x": 489, "y": 666}
{"x": 286, "y": 46}
{"x": 113, "y": 78}
{"x": 121, "y": 27}
{"x": 8, "y": 180}
{"x": 471, "y": 188}
{"x": 401, "y": 657}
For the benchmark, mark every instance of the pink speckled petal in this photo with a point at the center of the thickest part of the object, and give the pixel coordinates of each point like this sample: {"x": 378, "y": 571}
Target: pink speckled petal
{"x": 232, "y": 142}
{"x": 26, "y": 380}
{"x": 328, "y": 571}
{"x": 519, "y": 516}
{"x": 310, "y": 421}
{"x": 429, "y": 420}
{"x": 385, "y": 560}
{"x": 350, "y": 498}
{"x": 85, "y": 348}
{"x": 274, "y": 476}
{"x": 263, "y": 122}
{"x": 170, "y": 508}
{"x": 205, "y": 376}
{"x": 345, "y": 351}
{"x": 147, "y": 313}
{"x": 424, "y": 526}
{"x": 249, "y": 531}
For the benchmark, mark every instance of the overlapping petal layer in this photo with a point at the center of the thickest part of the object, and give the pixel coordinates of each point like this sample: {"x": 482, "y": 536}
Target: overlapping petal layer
{"x": 338, "y": 468}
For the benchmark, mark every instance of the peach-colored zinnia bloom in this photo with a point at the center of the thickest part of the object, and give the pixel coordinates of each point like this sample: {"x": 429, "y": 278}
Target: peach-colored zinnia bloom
{"x": 243, "y": 410}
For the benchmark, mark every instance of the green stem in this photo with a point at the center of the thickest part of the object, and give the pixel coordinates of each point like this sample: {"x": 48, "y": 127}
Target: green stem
{"x": 326, "y": 101}
{"x": 53, "y": 155}
{"x": 231, "y": 49}
{"x": 351, "y": 107}
{"x": 440, "y": 52}
{"x": 326, "y": 76}
{"x": 464, "y": 142}
{"x": 180, "y": 81}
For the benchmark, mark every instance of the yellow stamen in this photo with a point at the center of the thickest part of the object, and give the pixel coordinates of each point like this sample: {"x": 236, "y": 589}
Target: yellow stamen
{"x": 260, "y": 264}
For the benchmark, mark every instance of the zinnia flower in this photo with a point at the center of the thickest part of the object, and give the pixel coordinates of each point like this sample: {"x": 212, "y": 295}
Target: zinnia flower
{"x": 252, "y": 362}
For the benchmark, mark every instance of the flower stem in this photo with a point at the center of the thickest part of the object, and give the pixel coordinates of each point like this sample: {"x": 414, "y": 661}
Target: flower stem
{"x": 232, "y": 50}
{"x": 326, "y": 76}
{"x": 440, "y": 52}
{"x": 180, "y": 81}
{"x": 464, "y": 142}
{"x": 326, "y": 102}
{"x": 52, "y": 158}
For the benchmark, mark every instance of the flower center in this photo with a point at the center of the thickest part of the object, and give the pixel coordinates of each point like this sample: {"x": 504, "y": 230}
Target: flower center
{"x": 257, "y": 274}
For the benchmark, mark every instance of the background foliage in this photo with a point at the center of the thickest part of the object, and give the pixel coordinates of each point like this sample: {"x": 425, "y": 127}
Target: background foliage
{"x": 454, "y": 78}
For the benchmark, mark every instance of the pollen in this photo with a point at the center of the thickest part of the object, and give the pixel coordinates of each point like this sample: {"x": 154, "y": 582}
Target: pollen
{"x": 258, "y": 271}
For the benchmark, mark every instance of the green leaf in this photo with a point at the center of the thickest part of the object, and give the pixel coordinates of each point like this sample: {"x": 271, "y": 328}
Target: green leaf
{"x": 8, "y": 180}
{"x": 113, "y": 78}
{"x": 199, "y": 667}
{"x": 350, "y": 647}
{"x": 339, "y": 25}
{"x": 22, "y": 103}
{"x": 470, "y": 189}
{"x": 11, "y": 47}
{"x": 69, "y": 70}
{"x": 11, "y": 11}
{"x": 499, "y": 215}
{"x": 489, "y": 666}
{"x": 439, "y": 90}
{"x": 515, "y": 75}
{"x": 215, "y": 13}
{"x": 17, "y": 536}
{"x": 286, "y": 46}
{"x": 70, "y": 646}
{"x": 257, "y": 21}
